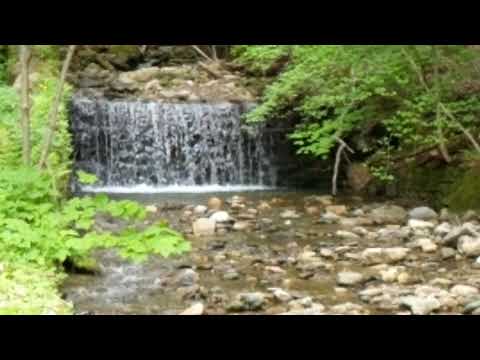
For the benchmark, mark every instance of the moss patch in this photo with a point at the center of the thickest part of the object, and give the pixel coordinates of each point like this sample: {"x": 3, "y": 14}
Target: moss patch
{"x": 465, "y": 193}
{"x": 425, "y": 184}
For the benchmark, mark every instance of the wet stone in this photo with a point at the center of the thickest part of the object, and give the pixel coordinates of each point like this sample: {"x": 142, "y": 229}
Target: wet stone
{"x": 186, "y": 278}
{"x": 348, "y": 278}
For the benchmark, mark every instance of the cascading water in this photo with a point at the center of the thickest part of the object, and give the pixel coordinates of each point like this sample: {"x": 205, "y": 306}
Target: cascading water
{"x": 150, "y": 146}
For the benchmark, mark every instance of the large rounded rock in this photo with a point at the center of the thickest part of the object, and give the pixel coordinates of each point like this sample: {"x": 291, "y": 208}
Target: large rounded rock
{"x": 312, "y": 210}
{"x": 464, "y": 291}
{"x": 204, "y": 227}
{"x": 215, "y": 203}
{"x": 420, "y": 305}
{"x": 241, "y": 226}
{"x": 289, "y": 214}
{"x": 469, "y": 246}
{"x": 420, "y": 224}
{"x": 472, "y": 307}
{"x": 374, "y": 256}
{"x": 466, "y": 229}
{"x": 200, "y": 210}
{"x": 348, "y": 278}
{"x": 281, "y": 295}
{"x": 194, "y": 310}
{"x": 427, "y": 245}
{"x": 247, "y": 302}
{"x": 221, "y": 217}
{"x": 389, "y": 214}
{"x": 393, "y": 235}
{"x": 338, "y": 210}
{"x": 423, "y": 213}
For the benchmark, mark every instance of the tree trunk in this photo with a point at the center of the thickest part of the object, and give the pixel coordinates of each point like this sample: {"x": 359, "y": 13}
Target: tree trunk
{"x": 53, "y": 117}
{"x": 25, "y": 95}
{"x": 214, "y": 53}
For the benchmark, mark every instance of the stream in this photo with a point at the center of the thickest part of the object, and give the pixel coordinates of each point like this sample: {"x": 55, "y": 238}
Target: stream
{"x": 280, "y": 263}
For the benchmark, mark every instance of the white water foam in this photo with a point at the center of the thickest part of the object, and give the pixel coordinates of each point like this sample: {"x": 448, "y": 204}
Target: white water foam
{"x": 174, "y": 189}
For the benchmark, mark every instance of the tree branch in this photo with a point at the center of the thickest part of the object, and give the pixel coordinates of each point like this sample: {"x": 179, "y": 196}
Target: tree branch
{"x": 202, "y": 53}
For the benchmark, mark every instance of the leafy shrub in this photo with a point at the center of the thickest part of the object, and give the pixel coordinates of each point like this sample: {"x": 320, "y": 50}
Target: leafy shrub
{"x": 31, "y": 291}
{"x": 348, "y": 90}
{"x": 36, "y": 228}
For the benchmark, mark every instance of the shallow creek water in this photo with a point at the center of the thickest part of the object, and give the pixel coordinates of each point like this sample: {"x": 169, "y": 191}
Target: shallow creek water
{"x": 150, "y": 288}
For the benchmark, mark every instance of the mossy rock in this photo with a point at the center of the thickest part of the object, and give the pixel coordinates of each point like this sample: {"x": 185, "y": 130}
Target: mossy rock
{"x": 82, "y": 265}
{"x": 124, "y": 57}
{"x": 465, "y": 193}
{"x": 124, "y": 50}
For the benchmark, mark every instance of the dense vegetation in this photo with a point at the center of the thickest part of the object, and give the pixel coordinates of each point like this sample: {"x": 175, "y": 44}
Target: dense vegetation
{"x": 381, "y": 98}
{"x": 41, "y": 229}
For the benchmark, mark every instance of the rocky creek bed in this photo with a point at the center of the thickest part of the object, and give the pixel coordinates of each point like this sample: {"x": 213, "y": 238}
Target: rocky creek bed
{"x": 288, "y": 253}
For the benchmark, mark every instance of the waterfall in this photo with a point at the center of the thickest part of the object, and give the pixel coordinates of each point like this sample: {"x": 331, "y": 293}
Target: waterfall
{"x": 153, "y": 145}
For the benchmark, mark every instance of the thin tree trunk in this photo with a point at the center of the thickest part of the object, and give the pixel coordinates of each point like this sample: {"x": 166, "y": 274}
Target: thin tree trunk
{"x": 214, "y": 53}
{"x": 53, "y": 117}
{"x": 338, "y": 160}
{"x": 337, "y": 167}
{"x": 25, "y": 95}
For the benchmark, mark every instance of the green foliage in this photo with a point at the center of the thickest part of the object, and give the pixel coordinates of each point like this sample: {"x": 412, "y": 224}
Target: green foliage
{"x": 59, "y": 161}
{"x": 348, "y": 90}
{"x": 3, "y": 64}
{"x": 31, "y": 291}
{"x": 35, "y": 228}
{"x": 10, "y": 138}
{"x": 382, "y": 174}
{"x": 260, "y": 58}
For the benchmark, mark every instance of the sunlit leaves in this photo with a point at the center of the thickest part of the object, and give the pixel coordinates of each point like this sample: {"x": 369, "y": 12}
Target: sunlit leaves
{"x": 337, "y": 90}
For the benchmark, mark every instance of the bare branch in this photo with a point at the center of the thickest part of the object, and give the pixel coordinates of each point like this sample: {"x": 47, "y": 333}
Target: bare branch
{"x": 202, "y": 53}
{"x": 344, "y": 144}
